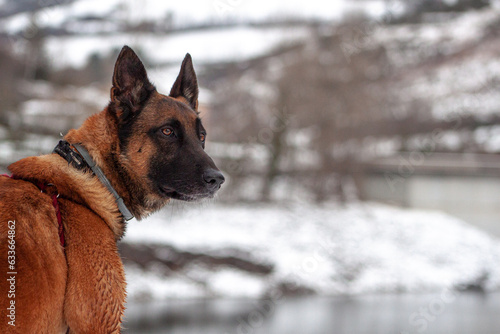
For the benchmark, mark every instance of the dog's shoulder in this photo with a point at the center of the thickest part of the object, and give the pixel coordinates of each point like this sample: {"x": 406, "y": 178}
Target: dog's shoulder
{"x": 25, "y": 210}
{"x": 79, "y": 187}
{"x": 19, "y": 195}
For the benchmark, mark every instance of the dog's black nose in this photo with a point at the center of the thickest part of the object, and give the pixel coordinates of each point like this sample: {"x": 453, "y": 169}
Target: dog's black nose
{"x": 213, "y": 178}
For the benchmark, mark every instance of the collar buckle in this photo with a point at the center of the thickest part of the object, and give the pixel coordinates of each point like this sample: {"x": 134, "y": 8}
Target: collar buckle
{"x": 80, "y": 158}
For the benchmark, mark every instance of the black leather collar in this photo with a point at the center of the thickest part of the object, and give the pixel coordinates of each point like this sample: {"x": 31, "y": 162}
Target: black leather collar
{"x": 70, "y": 155}
{"x": 79, "y": 157}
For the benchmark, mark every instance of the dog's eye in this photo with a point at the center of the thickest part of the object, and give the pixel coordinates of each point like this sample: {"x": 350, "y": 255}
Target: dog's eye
{"x": 168, "y": 132}
{"x": 203, "y": 136}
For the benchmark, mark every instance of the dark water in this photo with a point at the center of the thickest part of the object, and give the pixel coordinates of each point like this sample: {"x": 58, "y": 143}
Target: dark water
{"x": 444, "y": 313}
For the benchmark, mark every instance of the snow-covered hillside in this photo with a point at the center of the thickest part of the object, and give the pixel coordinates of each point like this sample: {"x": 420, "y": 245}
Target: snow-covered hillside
{"x": 450, "y": 63}
{"x": 211, "y": 46}
{"x": 306, "y": 248}
{"x": 185, "y": 13}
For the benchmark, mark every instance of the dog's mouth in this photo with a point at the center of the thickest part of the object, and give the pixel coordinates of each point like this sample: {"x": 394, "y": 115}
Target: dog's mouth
{"x": 174, "y": 194}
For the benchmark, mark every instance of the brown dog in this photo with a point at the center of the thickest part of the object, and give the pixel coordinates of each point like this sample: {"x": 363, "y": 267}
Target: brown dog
{"x": 59, "y": 221}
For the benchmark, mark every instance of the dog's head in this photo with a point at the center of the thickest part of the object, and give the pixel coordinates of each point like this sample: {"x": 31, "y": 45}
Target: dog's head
{"x": 161, "y": 138}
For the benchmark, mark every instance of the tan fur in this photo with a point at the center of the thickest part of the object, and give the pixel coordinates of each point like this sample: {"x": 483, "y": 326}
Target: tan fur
{"x": 70, "y": 183}
{"x": 40, "y": 261}
{"x": 54, "y": 289}
{"x": 81, "y": 287}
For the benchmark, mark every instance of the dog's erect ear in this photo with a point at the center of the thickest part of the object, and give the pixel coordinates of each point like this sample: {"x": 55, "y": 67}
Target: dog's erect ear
{"x": 131, "y": 86}
{"x": 186, "y": 84}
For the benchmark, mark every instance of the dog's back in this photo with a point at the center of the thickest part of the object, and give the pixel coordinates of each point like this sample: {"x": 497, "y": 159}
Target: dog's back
{"x": 51, "y": 286}
{"x": 33, "y": 261}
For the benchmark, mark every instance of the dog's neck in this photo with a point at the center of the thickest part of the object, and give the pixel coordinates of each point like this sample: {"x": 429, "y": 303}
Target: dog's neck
{"x": 98, "y": 134}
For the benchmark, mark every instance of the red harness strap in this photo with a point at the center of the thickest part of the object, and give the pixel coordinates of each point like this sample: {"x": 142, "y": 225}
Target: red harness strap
{"x": 55, "y": 203}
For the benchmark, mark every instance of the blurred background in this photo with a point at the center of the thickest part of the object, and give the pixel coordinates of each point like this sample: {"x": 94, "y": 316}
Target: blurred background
{"x": 360, "y": 142}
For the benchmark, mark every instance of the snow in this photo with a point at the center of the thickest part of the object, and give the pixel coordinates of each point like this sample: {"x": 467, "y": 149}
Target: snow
{"x": 36, "y": 107}
{"x": 426, "y": 40}
{"x": 90, "y": 95}
{"x": 230, "y": 283}
{"x": 489, "y": 138}
{"x": 460, "y": 86}
{"x": 144, "y": 285}
{"x": 238, "y": 43}
{"x": 189, "y": 12}
{"x": 15, "y": 23}
{"x": 32, "y": 145}
{"x": 36, "y": 145}
{"x": 7, "y": 149}
{"x": 330, "y": 249}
